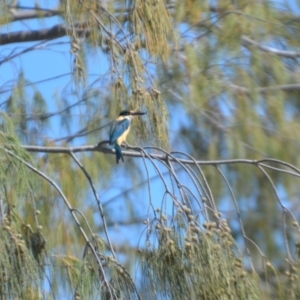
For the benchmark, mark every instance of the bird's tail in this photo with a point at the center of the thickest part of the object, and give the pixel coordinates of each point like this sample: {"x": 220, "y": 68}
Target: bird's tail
{"x": 119, "y": 154}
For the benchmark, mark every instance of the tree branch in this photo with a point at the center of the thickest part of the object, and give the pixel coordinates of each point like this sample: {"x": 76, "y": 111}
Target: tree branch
{"x": 139, "y": 152}
{"x": 87, "y": 175}
{"x": 17, "y": 15}
{"x": 54, "y": 32}
{"x": 283, "y": 87}
{"x": 246, "y": 41}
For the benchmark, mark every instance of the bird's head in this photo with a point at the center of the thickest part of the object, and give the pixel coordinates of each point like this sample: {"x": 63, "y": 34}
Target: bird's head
{"x": 125, "y": 113}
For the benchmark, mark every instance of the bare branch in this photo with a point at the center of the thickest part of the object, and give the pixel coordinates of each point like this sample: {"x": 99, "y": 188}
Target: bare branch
{"x": 35, "y": 82}
{"x": 284, "y": 211}
{"x": 87, "y": 175}
{"x": 239, "y": 217}
{"x": 17, "y": 15}
{"x": 283, "y": 87}
{"x": 54, "y": 32}
{"x": 140, "y": 152}
{"x": 246, "y": 41}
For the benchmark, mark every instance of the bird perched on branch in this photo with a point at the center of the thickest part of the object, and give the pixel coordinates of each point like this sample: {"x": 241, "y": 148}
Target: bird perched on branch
{"x": 120, "y": 129}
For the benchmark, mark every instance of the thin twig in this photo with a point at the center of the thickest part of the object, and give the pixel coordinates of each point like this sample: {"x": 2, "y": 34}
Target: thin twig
{"x": 284, "y": 210}
{"x": 87, "y": 175}
{"x": 238, "y": 215}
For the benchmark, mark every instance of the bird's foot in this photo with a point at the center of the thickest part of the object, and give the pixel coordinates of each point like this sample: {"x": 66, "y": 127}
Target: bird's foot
{"x": 125, "y": 145}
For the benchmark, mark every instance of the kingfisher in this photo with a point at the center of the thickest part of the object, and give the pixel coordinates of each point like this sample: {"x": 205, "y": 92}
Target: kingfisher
{"x": 120, "y": 129}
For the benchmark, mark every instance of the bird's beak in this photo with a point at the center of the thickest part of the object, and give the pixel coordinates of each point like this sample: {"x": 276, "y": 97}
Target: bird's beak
{"x": 137, "y": 113}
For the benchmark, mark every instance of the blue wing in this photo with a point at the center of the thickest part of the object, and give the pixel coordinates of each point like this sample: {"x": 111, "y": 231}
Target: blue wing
{"x": 117, "y": 129}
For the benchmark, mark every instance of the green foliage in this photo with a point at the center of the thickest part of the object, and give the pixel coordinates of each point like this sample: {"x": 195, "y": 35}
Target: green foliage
{"x": 20, "y": 272}
{"x": 202, "y": 266}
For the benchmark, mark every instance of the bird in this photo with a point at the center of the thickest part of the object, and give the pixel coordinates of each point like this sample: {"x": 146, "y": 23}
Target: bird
{"x": 120, "y": 129}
